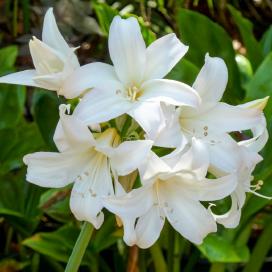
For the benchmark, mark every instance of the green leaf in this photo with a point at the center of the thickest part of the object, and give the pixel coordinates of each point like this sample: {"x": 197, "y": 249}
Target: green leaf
{"x": 254, "y": 52}
{"x": 57, "y": 244}
{"x": 12, "y": 100}
{"x": 19, "y": 202}
{"x": 219, "y": 249}
{"x": 45, "y": 108}
{"x": 8, "y": 57}
{"x": 185, "y": 71}
{"x": 266, "y": 41}
{"x": 105, "y": 15}
{"x": 260, "y": 250}
{"x": 55, "y": 203}
{"x": 204, "y": 36}
{"x": 15, "y": 143}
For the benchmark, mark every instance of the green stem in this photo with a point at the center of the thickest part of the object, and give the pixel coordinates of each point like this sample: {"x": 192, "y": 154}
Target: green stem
{"x": 260, "y": 250}
{"x": 79, "y": 248}
{"x": 158, "y": 259}
{"x": 171, "y": 247}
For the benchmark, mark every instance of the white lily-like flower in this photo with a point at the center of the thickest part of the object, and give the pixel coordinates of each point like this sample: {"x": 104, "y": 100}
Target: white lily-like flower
{"x": 173, "y": 187}
{"x": 88, "y": 162}
{"x": 53, "y": 59}
{"x": 244, "y": 170}
{"x": 213, "y": 120}
{"x": 134, "y": 84}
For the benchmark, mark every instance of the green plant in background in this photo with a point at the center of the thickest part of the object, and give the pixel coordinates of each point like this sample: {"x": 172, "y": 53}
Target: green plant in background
{"x": 38, "y": 231}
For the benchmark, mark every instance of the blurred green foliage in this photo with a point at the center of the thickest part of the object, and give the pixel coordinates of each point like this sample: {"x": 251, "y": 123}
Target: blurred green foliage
{"x": 37, "y": 228}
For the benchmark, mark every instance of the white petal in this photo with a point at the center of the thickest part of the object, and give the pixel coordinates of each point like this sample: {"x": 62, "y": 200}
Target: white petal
{"x": 162, "y": 55}
{"x": 137, "y": 150}
{"x": 149, "y": 226}
{"x": 93, "y": 75}
{"x": 212, "y": 189}
{"x": 52, "y": 37}
{"x": 260, "y": 137}
{"x": 154, "y": 167}
{"x": 127, "y": 49}
{"x": 212, "y": 80}
{"x": 171, "y": 134}
{"x": 225, "y": 155}
{"x": 45, "y": 59}
{"x": 169, "y": 91}
{"x": 151, "y": 123}
{"x": 51, "y": 82}
{"x": 187, "y": 216}
{"x": 94, "y": 184}
{"x": 132, "y": 205}
{"x": 100, "y": 106}
{"x": 55, "y": 170}
{"x": 222, "y": 118}
{"x": 21, "y": 78}
{"x": 231, "y": 218}
{"x": 71, "y": 133}
{"x": 195, "y": 159}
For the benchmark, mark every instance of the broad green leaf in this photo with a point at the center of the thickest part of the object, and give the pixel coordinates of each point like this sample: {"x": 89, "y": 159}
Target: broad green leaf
{"x": 55, "y": 203}
{"x": 12, "y": 100}
{"x": 57, "y": 244}
{"x": 254, "y": 52}
{"x": 17, "y": 142}
{"x": 260, "y": 86}
{"x": 45, "y": 108}
{"x": 105, "y": 15}
{"x": 8, "y": 57}
{"x": 204, "y": 36}
{"x": 244, "y": 68}
{"x": 266, "y": 41}
{"x": 185, "y": 71}
{"x": 219, "y": 249}
{"x": 19, "y": 202}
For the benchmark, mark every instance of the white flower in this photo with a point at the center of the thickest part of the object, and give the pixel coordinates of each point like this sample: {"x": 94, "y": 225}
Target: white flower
{"x": 88, "y": 162}
{"x": 244, "y": 170}
{"x": 173, "y": 187}
{"x": 212, "y": 121}
{"x": 53, "y": 59}
{"x": 134, "y": 83}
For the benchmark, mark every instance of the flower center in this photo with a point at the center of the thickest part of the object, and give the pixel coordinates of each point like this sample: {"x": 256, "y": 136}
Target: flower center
{"x": 133, "y": 92}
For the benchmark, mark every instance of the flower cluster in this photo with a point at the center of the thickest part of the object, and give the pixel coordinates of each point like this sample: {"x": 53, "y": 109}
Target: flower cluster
{"x": 111, "y": 144}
